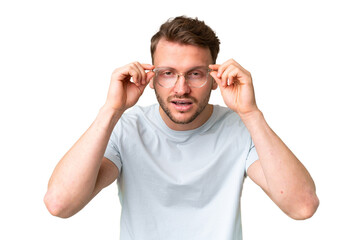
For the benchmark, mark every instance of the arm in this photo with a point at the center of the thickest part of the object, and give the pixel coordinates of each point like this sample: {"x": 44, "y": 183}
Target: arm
{"x": 84, "y": 171}
{"x": 278, "y": 172}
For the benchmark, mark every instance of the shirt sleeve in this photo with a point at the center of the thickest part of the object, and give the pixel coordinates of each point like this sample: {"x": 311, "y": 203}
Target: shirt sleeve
{"x": 112, "y": 151}
{"x": 252, "y": 155}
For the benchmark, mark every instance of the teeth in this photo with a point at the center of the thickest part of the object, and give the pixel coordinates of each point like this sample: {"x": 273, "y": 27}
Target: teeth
{"x": 183, "y": 103}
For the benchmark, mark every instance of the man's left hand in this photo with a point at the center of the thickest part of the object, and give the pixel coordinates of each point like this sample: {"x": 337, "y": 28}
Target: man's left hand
{"x": 236, "y": 87}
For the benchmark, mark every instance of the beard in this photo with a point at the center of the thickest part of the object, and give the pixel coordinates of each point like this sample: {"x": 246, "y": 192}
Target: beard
{"x": 201, "y": 106}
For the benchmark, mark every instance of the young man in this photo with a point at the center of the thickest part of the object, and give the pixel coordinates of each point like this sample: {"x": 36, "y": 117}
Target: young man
{"x": 180, "y": 164}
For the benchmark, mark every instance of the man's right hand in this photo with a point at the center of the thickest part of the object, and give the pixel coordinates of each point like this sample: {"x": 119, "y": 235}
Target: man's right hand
{"x": 84, "y": 171}
{"x": 127, "y": 85}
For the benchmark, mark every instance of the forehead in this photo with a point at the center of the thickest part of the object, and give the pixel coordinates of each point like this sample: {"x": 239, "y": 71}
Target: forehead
{"x": 180, "y": 56}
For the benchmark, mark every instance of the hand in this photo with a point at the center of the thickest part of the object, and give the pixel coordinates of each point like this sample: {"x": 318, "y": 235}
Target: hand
{"x": 124, "y": 93}
{"x": 236, "y": 87}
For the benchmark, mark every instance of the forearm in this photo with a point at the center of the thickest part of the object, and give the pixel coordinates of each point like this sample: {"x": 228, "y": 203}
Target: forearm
{"x": 288, "y": 182}
{"x": 73, "y": 180}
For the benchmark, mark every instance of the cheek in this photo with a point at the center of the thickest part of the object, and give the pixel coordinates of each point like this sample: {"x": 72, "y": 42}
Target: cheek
{"x": 205, "y": 91}
{"x": 160, "y": 92}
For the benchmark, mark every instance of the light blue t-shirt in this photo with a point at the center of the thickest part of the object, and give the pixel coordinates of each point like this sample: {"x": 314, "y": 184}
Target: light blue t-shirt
{"x": 176, "y": 185}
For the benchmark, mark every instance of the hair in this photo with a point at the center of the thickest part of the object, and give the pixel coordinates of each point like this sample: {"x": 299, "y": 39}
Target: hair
{"x": 188, "y": 31}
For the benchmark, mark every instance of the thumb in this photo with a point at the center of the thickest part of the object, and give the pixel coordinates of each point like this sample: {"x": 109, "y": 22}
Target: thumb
{"x": 149, "y": 75}
{"x": 142, "y": 87}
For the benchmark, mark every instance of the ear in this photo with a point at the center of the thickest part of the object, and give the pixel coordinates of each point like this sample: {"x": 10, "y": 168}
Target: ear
{"x": 214, "y": 84}
{"x": 151, "y": 83}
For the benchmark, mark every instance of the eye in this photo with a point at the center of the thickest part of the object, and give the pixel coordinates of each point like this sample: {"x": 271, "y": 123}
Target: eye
{"x": 196, "y": 74}
{"x": 166, "y": 73}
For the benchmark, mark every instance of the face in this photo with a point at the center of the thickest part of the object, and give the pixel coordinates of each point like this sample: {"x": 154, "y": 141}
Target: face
{"x": 181, "y": 106}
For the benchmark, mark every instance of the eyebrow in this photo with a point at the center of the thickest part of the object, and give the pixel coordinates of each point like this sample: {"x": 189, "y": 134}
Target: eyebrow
{"x": 191, "y": 69}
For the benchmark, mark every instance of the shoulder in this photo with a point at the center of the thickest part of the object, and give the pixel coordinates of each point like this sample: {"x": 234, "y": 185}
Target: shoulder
{"x": 229, "y": 124}
{"x": 132, "y": 117}
{"x": 224, "y": 115}
{"x": 137, "y": 114}
{"x": 134, "y": 122}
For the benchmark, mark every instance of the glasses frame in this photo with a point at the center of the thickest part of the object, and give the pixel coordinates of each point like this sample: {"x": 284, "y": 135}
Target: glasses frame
{"x": 156, "y": 70}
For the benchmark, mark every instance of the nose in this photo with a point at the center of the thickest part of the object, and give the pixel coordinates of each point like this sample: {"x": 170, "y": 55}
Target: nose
{"x": 181, "y": 86}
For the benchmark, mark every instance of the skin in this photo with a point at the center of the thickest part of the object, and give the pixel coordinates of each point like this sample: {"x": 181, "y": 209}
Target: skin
{"x": 278, "y": 172}
{"x": 83, "y": 171}
{"x": 182, "y": 58}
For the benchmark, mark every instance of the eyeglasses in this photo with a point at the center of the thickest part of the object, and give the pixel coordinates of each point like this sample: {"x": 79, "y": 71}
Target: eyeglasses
{"x": 167, "y": 77}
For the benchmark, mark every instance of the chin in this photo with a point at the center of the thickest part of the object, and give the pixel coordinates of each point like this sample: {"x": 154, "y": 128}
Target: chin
{"x": 181, "y": 117}
{"x": 182, "y": 110}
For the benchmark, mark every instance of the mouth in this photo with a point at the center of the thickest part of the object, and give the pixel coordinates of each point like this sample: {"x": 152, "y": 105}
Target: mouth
{"x": 181, "y": 102}
{"x": 182, "y": 105}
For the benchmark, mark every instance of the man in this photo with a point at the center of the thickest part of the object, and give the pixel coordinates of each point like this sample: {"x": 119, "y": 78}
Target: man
{"x": 180, "y": 164}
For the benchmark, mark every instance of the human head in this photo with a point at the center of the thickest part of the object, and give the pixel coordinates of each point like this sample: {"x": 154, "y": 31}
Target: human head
{"x": 183, "y": 43}
{"x": 188, "y": 31}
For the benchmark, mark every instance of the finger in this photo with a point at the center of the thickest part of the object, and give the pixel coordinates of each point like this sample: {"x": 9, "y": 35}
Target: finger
{"x": 221, "y": 75}
{"x": 142, "y": 80}
{"x": 225, "y": 76}
{"x": 231, "y": 61}
{"x": 224, "y": 66}
{"x": 234, "y": 76}
{"x": 214, "y": 67}
{"x": 243, "y": 71}
{"x": 217, "y": 80}
{"x": 149, "y": 76}
{"x": 135, "y": 73}
{"x": 135, "y": 76}
{"x": 220, "y": 70}
{"x": 147, "y": 66}
{"x": 142, "y": 87}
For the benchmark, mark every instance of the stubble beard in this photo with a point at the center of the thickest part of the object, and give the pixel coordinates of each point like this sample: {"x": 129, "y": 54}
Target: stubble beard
{"x": 200, "y": 109}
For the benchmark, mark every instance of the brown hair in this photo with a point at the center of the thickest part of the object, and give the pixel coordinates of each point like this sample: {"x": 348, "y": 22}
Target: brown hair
{"x": 187, "y": 30}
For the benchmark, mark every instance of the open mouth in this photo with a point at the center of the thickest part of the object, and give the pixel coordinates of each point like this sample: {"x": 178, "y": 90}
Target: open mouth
{"x": 181, "y": 103}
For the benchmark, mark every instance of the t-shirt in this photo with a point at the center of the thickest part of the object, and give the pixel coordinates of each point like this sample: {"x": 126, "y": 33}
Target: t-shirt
{"x": 176, "y": 185}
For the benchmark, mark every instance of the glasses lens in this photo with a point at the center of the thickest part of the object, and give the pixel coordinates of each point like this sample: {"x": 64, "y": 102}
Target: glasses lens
{"x": 166, "y": 77}
{"x": 197, "y": 77}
